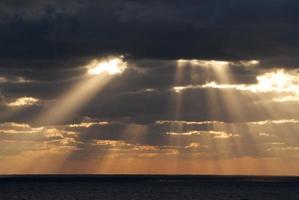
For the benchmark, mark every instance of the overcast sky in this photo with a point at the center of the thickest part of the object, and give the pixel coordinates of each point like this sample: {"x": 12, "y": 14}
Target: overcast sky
{"x": 127, "y": 86}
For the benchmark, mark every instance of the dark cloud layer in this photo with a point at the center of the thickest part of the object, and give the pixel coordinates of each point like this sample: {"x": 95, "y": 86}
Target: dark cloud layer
{"x": 60, "y": 33}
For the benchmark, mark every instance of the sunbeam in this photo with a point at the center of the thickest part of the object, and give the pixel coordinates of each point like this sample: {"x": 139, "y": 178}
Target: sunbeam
{"x": 187, "y": 88}
{"x": 99, "y": 73}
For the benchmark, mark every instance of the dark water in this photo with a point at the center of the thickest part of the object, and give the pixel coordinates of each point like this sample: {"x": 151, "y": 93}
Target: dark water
{"x": 147, "y": 187}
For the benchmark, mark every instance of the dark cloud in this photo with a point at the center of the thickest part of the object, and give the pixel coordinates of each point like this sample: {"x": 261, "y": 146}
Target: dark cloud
{"x": 53, "y": 33}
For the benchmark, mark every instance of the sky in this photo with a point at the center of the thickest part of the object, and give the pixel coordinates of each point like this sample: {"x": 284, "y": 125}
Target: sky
{"x": 149, "y": 87}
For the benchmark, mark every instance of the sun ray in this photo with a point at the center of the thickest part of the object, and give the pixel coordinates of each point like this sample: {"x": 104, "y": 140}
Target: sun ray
{"x": 100, "y": 72}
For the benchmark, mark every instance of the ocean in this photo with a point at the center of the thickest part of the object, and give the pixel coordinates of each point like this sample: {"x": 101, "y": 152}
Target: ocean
{"x": 143, "y": 187}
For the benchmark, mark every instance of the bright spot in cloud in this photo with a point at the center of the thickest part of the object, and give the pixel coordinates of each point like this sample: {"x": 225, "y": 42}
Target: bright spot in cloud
{"x": 217, "y": 63}
{"x": 285, "y": 85}
{"x": 203, "y": 63}
{"x": 178, "y": 89}
{"x": 250, "y": 63}
{"x": 189, "y": 133}
{"x": 24, "y": 101}
{"x": 277, "y": 81}
{"x": 110, "y": 66}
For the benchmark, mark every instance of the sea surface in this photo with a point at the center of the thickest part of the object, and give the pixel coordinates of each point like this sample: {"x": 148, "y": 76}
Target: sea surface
{"x": 90, "y": 187}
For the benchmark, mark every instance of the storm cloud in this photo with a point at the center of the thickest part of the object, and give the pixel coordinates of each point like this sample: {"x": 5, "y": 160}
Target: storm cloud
{"x": 206, "y": 81}
{"x": 66, "y": 33}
